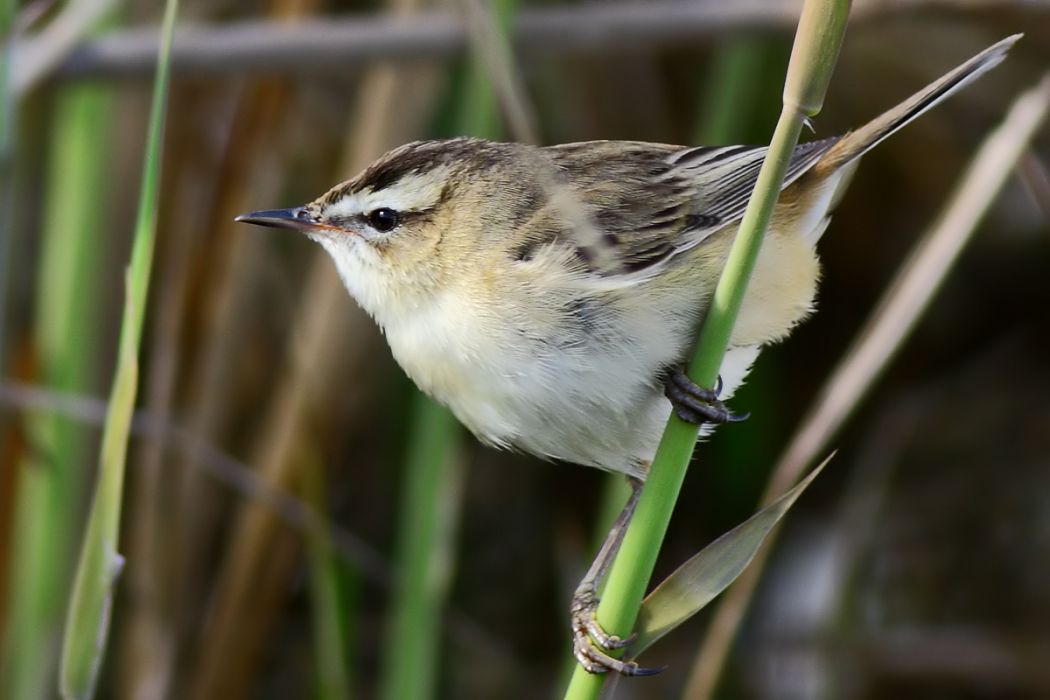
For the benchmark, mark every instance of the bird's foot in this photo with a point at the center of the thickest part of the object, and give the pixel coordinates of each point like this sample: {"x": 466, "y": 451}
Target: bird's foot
{"x": 591, "y": 643}
{"x": 695, "y": 404}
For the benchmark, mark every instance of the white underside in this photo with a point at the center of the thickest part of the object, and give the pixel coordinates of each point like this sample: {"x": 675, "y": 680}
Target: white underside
{"x": 585, "y": 400}
{"x": 521, "y": 371}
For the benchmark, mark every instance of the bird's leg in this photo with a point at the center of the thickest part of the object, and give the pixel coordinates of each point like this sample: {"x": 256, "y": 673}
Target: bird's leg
{"x": 589, "y": 640}
{"x": 695, "y": 404}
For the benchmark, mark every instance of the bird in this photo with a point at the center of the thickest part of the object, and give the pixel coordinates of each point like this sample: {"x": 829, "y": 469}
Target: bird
{"x": 550, "y": 296}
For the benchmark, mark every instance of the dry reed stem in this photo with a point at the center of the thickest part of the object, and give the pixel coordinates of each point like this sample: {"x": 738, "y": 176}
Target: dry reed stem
{"x": 147, "y": 644}
{"x": 172, "y": 585}
{"x": 233, "y": 271}
{"x": 1036, "y": 179}
{"x": 494, "y": 53}
{"x": 342, "y": 44}
{"x": 41, "y": 54}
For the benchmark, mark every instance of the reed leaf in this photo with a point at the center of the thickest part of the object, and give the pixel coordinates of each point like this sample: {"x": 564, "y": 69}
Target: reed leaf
{"x": 696, "y": 582}
{"x": 100, "y": 563}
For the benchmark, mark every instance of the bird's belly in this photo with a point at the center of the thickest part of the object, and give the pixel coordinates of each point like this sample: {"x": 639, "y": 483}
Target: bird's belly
{"x": 592, "y": 404}
{"x": 582, "y": 404}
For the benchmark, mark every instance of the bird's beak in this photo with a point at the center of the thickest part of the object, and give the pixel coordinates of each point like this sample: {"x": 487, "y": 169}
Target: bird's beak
{"x": 295, "y": 218}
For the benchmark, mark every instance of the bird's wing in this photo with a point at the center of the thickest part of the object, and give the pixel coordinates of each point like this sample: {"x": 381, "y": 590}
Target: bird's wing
{"x": 648, "y": 202}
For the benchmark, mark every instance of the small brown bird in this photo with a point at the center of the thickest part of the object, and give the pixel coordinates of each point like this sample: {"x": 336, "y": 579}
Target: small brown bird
{"x": 550, "y": 296}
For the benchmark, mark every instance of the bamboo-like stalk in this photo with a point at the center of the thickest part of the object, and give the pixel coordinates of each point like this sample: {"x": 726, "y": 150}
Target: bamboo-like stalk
{"x": 896, "y": 314}
{"x": 730, "y": 90}
{"x": 817, "y": 43}
{"x": 87, "y": 620}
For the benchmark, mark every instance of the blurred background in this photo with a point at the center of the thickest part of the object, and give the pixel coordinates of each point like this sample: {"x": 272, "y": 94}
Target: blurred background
{"x": 299, "y": 523}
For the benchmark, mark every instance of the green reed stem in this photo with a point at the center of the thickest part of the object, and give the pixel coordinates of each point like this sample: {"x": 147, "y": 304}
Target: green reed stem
{"x": 817, "y": 43}
{"x": 331, "y": 620}
{"x": 430, "y": 505}
{"x": 87, "y": 621}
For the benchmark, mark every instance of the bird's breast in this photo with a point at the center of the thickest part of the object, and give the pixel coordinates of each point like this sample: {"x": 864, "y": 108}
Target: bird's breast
{"x": 459, "y": 356}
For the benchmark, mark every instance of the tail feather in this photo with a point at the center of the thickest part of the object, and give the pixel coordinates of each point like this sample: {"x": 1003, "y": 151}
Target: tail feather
{"x": 858, "y": 142}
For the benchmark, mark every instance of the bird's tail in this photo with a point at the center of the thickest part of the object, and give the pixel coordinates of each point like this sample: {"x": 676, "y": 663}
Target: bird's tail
{"x": 857, "y": 143}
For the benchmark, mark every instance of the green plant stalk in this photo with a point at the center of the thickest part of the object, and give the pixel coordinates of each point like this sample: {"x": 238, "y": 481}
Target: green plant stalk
{"x": 430, "y": 504}
{"x": 330, "y": 618}
{"x": 817, "y": 42}
{"x": 744, "y": 73}
{"x": 731, "y": 92}
{"x": 477, "y": 113}
{"x": 900, "y": 308}
{"x": 615, "y": 492}
{"x": 51, "y": 479}
{"x": 87, "y": 621}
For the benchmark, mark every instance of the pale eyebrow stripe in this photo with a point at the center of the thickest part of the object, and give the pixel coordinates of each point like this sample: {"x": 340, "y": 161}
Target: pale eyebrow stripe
{"x": 411, "y": 193}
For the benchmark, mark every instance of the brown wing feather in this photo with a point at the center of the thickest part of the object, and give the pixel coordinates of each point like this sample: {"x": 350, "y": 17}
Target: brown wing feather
{"x": 651, "y": 201}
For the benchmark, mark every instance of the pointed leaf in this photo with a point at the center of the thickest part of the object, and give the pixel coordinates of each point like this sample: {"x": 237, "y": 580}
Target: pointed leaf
{"x": 694, "y": 584}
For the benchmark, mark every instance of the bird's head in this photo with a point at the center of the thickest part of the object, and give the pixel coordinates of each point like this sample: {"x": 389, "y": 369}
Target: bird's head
{"x": 417, "y": 216}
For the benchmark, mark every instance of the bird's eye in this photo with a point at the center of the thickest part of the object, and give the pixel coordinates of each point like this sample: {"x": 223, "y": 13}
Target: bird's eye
{"x": 384, "y": 219}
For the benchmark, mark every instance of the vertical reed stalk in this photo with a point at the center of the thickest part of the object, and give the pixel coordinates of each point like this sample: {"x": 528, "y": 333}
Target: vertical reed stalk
{"x": 87, "y": 620}
{"x": 431, "y": 497}
{"x": 331, "y": 623}
{"x": 817, "y": 43}
{"x": 732, "y": 91}
{"x": 898, "y": 311}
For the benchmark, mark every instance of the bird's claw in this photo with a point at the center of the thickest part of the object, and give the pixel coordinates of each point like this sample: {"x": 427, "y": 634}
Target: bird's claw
{"x": 695, "y": 404}
{"x": 591, "y": 643}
